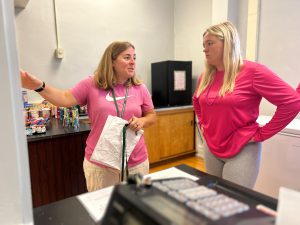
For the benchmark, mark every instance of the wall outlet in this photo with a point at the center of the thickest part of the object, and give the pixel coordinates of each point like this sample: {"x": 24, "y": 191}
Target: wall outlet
{"x": 59, "y": 53}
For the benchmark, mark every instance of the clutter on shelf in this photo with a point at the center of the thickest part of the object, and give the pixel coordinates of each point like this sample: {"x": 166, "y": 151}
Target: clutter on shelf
{"x": 37, "y": 115}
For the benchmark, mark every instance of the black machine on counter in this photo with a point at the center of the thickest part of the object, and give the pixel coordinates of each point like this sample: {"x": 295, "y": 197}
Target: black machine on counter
{"x": 181, "y": 201}
{"x": 171, "y": 83}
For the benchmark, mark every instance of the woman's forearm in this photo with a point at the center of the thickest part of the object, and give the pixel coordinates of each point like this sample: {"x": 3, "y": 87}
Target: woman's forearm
{"x": 149, "y": 118}
{"x": 58, "y": 97}
{"x": 55, "y": 96}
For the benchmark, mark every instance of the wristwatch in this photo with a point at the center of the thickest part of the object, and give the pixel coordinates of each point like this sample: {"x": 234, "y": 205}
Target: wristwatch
{"x": 39, "y": 89}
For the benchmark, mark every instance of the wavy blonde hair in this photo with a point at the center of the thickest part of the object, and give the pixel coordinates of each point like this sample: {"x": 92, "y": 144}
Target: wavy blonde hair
{"x": 232, "y": 58}
{"x": 104, "y": 75}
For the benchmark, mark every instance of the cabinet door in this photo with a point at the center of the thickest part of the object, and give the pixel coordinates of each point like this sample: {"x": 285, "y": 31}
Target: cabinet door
{"x": 56, "y": 168}
{"x": 178, "y": 130}
{"x": 152, "y": 139}
{"x": 172, "y": 135}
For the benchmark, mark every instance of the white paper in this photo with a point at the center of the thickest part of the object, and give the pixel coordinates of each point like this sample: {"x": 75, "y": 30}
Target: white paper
{"x": 179, "y": 80}
{"x": 108, "y": 150}
{"x": 95, "y": 203}
{"x": 288, "y": 211}
{"x": 170, "y": 173}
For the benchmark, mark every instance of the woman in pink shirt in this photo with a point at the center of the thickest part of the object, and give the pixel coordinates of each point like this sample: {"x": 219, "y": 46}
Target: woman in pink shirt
{"x": 114, "y": 90}
{"x": 226, "y": 102}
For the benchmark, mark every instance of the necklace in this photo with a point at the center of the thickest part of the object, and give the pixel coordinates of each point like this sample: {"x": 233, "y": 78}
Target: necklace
{"x": 210, "y": 100}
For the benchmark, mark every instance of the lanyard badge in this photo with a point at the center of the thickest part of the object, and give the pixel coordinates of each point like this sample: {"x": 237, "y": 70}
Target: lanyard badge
{"x": 124, "y": 154}
{"x": 124, "y": 103}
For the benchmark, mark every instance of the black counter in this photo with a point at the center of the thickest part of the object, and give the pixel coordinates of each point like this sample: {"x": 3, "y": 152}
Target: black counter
{"x": 55, "y": 129}
{"x": 71, "y": 212}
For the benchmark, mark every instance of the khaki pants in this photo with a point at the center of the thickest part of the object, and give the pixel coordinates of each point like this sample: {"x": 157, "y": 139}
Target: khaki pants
{"x": 100, "y": 177}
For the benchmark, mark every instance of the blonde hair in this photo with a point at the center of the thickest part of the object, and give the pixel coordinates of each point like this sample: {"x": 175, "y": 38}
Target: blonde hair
{"x": 104, "y": 75}
{"x": 232, "y": 58}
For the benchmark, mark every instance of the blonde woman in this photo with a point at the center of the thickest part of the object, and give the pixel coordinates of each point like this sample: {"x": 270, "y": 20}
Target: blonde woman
{"x": 114, "y": 90}
{"x": 227, "y": 101}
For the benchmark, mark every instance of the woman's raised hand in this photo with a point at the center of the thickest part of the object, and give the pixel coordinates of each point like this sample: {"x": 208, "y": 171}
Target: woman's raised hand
{"x": 29, "y": 81}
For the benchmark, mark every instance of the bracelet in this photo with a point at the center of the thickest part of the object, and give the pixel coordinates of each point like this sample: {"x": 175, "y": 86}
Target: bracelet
{"x": 39, "y": 89}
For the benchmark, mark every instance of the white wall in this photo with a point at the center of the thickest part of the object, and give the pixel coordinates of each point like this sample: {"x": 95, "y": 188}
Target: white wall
{"x": 85, "y": 30}
{"x": 278, "y": 42}
{"x": 241, "y": 23}
{"x": 191, "y": 18}
{"x": 160, "y": 30}
{"x": 15, "y": 194}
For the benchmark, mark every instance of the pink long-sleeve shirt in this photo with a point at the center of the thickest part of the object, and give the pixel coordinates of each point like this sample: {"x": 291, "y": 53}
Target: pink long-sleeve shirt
{"x": 229, "y": 122}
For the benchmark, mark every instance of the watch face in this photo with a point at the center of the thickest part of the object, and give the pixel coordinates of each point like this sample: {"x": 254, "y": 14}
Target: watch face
{"x": 40, "y": 88}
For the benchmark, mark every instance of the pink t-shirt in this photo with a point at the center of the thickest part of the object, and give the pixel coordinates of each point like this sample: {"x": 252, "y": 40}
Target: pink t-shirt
{"x": 229, "y": 122}
{"x": 100, "y": 104}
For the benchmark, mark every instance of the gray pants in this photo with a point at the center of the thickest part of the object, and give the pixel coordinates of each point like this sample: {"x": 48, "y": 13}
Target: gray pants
{"x": 241, "y": 169}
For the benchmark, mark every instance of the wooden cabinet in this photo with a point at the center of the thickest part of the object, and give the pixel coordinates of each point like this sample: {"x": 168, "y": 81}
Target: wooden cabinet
{"x": 56, "y": 168}
{"x": 172, "y": 135}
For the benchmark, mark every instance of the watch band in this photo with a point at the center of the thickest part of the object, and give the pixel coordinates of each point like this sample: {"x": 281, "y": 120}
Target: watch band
{"x": 40, "y": 88}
